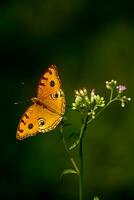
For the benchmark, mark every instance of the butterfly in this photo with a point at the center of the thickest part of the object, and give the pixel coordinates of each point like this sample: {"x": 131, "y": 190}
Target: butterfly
{"x": 47, "y": 109}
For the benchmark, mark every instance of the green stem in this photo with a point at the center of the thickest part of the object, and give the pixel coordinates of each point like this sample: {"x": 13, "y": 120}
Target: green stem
{"x": 81, "y": 171}
{"x": 111, "y": 95}
{"x": 82, "y": 131}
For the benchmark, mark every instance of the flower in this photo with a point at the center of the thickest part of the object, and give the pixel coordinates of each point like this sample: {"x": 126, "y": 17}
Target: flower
{"x": 121, "y": 88}
{"x": 110, "y": 85}
{"x": 92, "y": 95}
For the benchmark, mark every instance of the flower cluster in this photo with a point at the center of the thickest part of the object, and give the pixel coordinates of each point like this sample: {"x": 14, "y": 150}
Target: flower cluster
{"x": 91, "y": 102}
{"x": 124, "y": 100}
{"x": 88, "y": 102}
{"x": 111, "y": 85}
{"x": 81, "y": 99}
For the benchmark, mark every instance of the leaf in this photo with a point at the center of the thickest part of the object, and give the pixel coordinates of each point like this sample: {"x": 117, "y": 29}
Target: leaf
{"x": 68, "y": 171}
{"x": 74, "y": 144}
{"x": 96, "y": 198}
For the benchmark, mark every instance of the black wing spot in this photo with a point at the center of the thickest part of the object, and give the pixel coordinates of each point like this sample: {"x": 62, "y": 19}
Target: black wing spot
{"x": 23, "y": 121}
{"x": 41, "y": 84}
{"x": 56, "y": 95}
{"x": 44, "y": 78}
{"x": 26, "y": 115}
{"x": 30, "y": 126}
{"x": 52, "y": 83}
{"x": 49, "y": 71}
{"x": 41, "y": 121}
{"x": 20, "y": 130}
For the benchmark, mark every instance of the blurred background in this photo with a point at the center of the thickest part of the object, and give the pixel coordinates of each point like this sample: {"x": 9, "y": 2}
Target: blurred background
{"x": 90, "y": 42}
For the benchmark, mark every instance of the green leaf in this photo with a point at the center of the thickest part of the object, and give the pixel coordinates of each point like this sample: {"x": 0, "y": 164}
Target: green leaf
{"x": 68, "y": 171}
{"x": 74, "y": 144}
{"x": 96, "y": 198}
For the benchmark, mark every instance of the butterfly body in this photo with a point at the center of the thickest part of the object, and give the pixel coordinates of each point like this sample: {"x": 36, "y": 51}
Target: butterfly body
{"x": 47, "y": 109}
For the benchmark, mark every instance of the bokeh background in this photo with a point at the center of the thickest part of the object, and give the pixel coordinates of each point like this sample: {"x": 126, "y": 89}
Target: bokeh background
{"x": 90, "y": 42}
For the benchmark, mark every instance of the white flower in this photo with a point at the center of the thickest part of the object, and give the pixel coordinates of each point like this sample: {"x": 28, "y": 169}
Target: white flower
{"x": 121, "y": 88}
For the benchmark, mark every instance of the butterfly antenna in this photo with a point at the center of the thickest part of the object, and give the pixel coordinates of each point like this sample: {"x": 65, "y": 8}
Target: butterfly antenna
{"x": 16, "y": 103}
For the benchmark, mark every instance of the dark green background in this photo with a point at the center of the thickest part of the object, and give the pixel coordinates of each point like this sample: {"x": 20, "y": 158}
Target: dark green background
{"x": 91, "y": 42}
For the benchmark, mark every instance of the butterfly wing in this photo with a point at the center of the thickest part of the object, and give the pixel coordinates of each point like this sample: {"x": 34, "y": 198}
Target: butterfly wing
{"x": 50, "y": 92}
{"x": 36, "y": 119}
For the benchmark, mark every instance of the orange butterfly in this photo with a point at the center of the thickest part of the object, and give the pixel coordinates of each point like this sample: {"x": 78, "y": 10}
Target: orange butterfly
{"x": 47, "y": 109}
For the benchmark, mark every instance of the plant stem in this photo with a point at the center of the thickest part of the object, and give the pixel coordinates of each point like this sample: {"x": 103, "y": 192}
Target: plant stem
{"x": 111, "y": 95}
{"x": 82, "y": 131}
{"x": 81, "y": 171}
